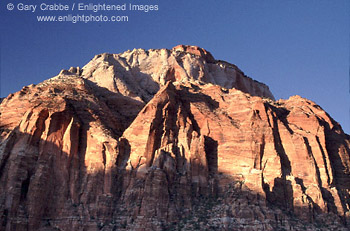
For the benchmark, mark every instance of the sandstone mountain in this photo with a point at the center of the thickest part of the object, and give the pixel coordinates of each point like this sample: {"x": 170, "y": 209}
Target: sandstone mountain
{"x": 168, "y": 140}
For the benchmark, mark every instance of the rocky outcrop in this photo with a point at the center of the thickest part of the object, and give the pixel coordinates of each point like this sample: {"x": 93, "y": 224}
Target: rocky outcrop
{"x": 290, "y": 152}
{"x": 194, "y": 50}
{"x": 139, "y": 74}
{"x": 59, "y": 143}
{"x": 99, "y": 149}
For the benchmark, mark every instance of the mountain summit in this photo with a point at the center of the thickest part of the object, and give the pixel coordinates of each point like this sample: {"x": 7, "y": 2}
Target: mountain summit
{"x": 139, "y": 74}
{"x": 168, "y": 140}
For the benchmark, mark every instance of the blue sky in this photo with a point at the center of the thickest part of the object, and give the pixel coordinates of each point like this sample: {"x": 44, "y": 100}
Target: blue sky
{"x": 295, "y": 47}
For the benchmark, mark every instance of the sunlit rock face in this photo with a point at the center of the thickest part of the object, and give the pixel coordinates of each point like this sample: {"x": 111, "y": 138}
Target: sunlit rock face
{"x": 139, "y": 74}
{"x": 168, "y": 140}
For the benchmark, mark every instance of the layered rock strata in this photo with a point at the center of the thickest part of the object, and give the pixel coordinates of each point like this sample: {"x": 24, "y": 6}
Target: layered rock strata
{"x": 142, "y": 141}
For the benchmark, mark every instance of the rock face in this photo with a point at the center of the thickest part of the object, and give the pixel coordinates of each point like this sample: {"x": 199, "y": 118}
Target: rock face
{"x": 168, "y": 140}
{"x": 139, "y": 74}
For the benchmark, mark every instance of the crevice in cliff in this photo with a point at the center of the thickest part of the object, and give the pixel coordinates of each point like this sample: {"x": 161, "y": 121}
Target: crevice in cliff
{"x": 328, "y": 197}
{"x": 339, "y": 170}
{"x": 81, "y": 162}
{"x": 282, "y": 114}
{"x": 25, "y": 188}
{"x": 104, "y": 154}
{"x": 12, "y": 137}
{"x": 188, "y": 98}
{"x": 154, "y": 137}
{"x": 211, "y": 152}
{"x": 123, "y": 154}
{"x": 58, "y": 123}
{"x": 191, "y": 117}
{"x": 267, "y": 112}
{"x": 282, "y": 189}
{"x": 311, "y": 155}
{"x": 259, "y": 157}
{"x": 325, "y": 162}
{"x": 315, "y": 208}
{"x": 122, "y": 176}
{"x": 285, "y": 162}
{"x": 40, "y": 127}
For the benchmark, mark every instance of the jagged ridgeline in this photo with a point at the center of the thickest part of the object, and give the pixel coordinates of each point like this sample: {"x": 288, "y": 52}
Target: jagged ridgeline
{"x": 168, "y": 140}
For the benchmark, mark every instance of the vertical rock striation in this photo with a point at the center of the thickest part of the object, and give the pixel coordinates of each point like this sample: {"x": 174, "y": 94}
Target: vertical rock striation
{"x": 168, "y": 140}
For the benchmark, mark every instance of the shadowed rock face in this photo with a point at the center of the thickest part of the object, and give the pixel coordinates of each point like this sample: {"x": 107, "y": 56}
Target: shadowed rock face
{"x": 124, "y": 145}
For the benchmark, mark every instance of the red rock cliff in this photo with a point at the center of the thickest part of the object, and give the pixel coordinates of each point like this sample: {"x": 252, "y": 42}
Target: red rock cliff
{"x": 100, "y": 149}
